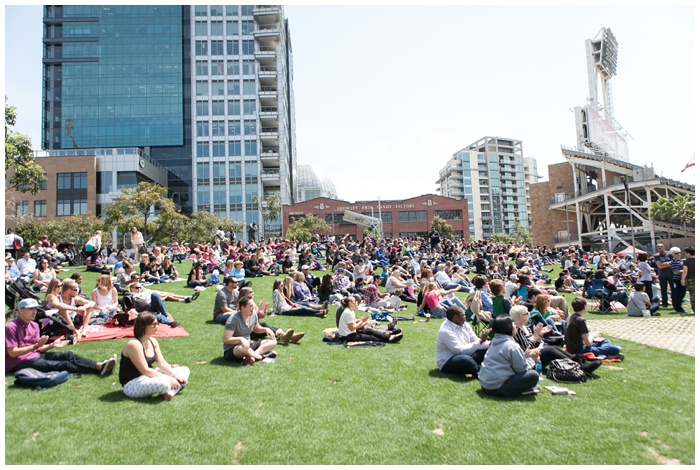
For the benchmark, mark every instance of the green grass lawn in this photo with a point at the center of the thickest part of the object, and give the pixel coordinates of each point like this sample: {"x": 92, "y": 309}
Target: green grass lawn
{"x": 321, "y": 404}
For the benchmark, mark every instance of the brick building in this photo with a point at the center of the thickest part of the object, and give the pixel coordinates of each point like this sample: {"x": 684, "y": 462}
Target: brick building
{"x": 408, "y": 218}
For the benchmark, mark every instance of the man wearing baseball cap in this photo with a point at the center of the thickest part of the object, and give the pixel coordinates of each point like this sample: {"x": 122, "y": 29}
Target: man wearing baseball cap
{"x": 25, "y": 348}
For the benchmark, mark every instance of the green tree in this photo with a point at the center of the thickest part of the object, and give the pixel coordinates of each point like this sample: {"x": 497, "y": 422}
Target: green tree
{"x": 503, "y": 238}
{"x": 523, "y": 235}
{"x": 684, "y": 210}
{"x": 27, "y": 175}
{"x": 76, "y": 229}
{"x": 663, "y": 210}
{"x": 136, "y": 204}
{"x": 305, "y": 226}
{"x": 443, "y": 228}
{"x": 270, "y": 208}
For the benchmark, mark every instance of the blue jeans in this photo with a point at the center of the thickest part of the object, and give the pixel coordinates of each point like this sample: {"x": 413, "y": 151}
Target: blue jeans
{"x": 453, "y": 301}
{"x": 158, "y": 307}
{"x": 604, "y": 348}
{"x": 60, "y": 361}
{"x": 516, "y": 384}
{"x": 462, "y": 364}
{"x": 452, "y": 285}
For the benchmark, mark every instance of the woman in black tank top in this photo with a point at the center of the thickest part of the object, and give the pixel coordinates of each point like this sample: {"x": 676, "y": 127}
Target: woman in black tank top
{"x": 136, "y": 372}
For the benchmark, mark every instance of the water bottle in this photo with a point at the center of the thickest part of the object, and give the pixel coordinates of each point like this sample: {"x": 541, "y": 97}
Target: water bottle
{"x": 538, "y": 368}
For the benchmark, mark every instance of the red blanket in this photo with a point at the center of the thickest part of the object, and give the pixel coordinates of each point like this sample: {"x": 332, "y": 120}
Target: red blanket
{"x": 117, "y": 332}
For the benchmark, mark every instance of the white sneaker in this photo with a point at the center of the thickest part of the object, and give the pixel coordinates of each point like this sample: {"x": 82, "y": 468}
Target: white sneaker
{"x": 532, "y": 391}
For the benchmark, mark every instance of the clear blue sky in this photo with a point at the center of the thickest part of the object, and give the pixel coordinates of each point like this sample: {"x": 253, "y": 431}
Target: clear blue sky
{"x": 385, "y": 95}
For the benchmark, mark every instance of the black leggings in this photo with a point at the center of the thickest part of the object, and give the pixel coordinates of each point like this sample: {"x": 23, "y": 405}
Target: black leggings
{"x": 368, "y": 334}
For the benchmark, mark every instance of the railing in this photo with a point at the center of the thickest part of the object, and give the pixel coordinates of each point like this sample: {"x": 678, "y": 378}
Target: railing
{"x": 271, "y": 173}
{"x": 268, "y": 68}
{"x": 267, "y": 27}
{"x": 270, "y": 150}
{"x": 268, "y": 109}
{"x": 269, "y": 130}
{"x": 267, "y": 49}
{"x": 268, "y": 89}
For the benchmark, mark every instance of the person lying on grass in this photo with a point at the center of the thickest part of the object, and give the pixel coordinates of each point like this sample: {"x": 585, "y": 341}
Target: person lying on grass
{"x": 457, "y": 349}
{"x": 25, "y": 348}
{"x": 351, "y": 329}
{"x": 238, "y": 345}
{"x": 136, "y": 373}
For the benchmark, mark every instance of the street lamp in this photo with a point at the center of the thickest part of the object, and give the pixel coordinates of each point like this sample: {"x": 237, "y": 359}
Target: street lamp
{"x": 568, "y": 234}
{"x": 629, "y": 208}
{"x": 379, "y": 205}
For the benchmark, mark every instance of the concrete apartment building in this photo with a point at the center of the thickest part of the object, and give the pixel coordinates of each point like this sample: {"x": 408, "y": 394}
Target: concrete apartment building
{"x": 494, "y": 177}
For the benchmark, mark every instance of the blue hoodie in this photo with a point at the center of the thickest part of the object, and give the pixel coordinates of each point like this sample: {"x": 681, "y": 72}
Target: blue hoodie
{"x": 503, "y": 359}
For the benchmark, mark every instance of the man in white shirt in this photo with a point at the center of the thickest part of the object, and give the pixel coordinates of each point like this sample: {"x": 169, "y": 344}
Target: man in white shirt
{"x": 458, "y": 350}
{"x": 26, "y": 265}
{"x": 444, "y": 280}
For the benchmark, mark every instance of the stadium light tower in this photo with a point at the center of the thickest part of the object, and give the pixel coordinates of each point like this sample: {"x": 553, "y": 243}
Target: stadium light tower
{"x": 602, "y": 64}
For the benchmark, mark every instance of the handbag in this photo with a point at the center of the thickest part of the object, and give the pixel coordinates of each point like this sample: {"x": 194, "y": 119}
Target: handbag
{"x": 17, "y": 244}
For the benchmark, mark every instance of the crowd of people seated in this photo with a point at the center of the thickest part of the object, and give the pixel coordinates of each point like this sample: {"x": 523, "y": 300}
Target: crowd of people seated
{"x": 512, "y": 282}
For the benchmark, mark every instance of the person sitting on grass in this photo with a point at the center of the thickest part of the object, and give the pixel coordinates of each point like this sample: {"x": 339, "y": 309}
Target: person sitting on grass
{"x": 226, "y": 300}
{"x": 565, "y": 283}
{"x": 283, "y": 306}
{"x": 196, "y": 277}
{"x": 505, "y": 371}
{"x": 545, "y": 313}
{"x": 579, "y": 341}
{"x": 136, "y": 373}
{"x": 288, "y": 336}
{"x": 236, "y": 340}
{"x": 457, "y": 349}
{"x": 351, "y": 329}
{"x": 141, "y": 301}
{"x": 531, "y": 338}
{"x": 24, "y": 347}
{"x": 72, "y": 307}
{"x": 105, "y": 297}
{"x": 639, "y": 303}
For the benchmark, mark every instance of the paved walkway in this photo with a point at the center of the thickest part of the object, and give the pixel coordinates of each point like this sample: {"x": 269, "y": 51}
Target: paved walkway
{"x": 676, "y": 333}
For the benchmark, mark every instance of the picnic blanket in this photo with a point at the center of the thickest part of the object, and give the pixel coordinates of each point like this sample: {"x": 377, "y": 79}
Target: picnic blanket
{"x": 105, "y": 332}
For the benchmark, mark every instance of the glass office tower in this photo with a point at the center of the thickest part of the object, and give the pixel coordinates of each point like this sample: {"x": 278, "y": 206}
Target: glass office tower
{"x": 204, "y": 90}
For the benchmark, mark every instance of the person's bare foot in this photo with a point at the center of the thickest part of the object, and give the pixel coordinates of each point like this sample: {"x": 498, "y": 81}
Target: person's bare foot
{"x": 167, "y": 396}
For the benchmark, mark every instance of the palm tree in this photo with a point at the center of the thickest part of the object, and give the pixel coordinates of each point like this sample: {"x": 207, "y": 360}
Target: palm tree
{"x": 662, "y": 209}
{"x": 684, "y": 210}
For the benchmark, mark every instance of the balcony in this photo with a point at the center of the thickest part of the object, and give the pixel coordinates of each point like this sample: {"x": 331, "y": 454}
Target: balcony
{"x": 265, "y": 12}
{"x": 267, "y": 71}
{"x": 270, "y": 177}
{"x": 270, "y": 156}
{"x": 266, "y": 52}
{"x": 268, "y": 92}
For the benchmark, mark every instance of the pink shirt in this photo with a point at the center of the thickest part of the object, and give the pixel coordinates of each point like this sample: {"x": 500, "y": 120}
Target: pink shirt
{"x": 18, "y": 334}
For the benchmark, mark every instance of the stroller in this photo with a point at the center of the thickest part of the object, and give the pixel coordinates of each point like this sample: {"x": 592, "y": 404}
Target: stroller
{"x": 16, "y": 291}
{"x": 50, "y": 323}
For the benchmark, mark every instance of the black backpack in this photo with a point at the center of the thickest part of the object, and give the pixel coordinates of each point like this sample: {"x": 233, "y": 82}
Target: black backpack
{"x": 566, "y": 370}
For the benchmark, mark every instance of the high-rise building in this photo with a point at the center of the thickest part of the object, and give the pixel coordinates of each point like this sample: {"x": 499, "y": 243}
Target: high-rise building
{"x": 205, "y": 91}
{"x": 494, "y": 178}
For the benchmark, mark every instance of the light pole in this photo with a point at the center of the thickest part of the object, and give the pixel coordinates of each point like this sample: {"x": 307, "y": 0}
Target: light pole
{"x": 568, "y": 234}
{"x": 379, "y": 205}
{"x": 629, "y": 208}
